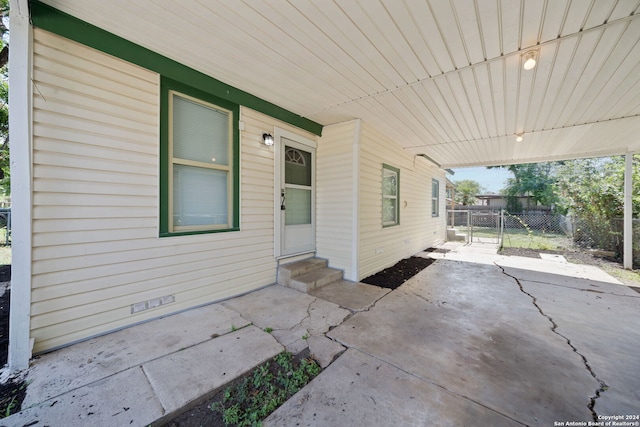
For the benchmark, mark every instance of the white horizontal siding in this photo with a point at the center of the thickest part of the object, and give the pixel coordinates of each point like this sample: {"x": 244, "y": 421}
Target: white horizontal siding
{"x": 96, "y": 249}
{"x": 334, "y": 196}
{"x": 381, "y": 247}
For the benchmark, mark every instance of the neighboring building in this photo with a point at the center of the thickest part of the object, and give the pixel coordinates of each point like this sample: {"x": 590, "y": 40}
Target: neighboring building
{"x": 498, "y": 201}
{"x": 134, "y": 218}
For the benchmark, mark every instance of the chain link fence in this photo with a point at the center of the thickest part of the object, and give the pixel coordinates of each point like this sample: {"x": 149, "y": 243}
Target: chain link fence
{"x": 472, "y": 225}
{"x": 607, "y": 235}
{"x": 544, "y": 230}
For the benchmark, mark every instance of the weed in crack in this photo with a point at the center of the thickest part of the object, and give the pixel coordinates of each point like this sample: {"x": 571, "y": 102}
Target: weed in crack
{"x": 554, "y": 326}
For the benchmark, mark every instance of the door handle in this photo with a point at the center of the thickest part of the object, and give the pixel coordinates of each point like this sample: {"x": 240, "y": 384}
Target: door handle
{"x": 282, "y": 200}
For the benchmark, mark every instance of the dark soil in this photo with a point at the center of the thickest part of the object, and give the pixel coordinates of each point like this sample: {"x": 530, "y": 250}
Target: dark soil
{"x": 4, "y": 327}
{"x": 12, "y": 393}
{"x": 399, "y": 273}
{"x": 199, "y": 412}
{"x": 5, "y": 273}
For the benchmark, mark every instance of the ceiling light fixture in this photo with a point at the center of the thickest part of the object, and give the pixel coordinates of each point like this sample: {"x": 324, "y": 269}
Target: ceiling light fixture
{"x": 529, "y": 59}
{"x": 519, "y": 137}
{"x": 267, "y": 139}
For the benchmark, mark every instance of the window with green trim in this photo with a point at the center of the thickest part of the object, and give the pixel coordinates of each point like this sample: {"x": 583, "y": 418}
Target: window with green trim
{"x": 199, "y": 152}
{"x": 435, "y": 197}
{"x": 390, "y": 195}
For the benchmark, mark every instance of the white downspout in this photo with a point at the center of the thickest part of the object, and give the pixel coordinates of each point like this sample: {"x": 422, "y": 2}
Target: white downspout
{"x": 20, "y": 102}
{"x": 628, "y": 213}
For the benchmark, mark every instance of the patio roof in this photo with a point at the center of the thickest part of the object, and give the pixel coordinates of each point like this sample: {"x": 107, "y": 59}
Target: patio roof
{"x": 443, "y": 79}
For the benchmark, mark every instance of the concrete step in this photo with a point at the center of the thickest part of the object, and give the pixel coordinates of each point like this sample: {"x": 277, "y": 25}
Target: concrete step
{"x": 454, "y": 236}
{"x": 315, "y": 279}
{"x": 288, "y": 272}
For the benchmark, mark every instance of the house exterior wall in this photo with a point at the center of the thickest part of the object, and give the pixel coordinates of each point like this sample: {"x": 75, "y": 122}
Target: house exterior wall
{"x": 381, "y": 247}
{"x": 96, "y": 249}
{"x": 335, "y": 193}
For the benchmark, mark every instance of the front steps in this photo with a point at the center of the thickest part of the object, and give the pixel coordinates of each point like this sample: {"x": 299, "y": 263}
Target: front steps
{"x": 308, "y": 274}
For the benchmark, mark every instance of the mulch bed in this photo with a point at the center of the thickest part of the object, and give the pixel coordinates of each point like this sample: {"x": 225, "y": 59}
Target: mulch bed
{"x": 399, "y": 273}
{"x": 4, "y": 327}
{"x": 5, "y": 273}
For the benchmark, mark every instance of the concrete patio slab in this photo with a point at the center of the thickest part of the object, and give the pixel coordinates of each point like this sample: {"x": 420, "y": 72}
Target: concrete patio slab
{"x": 291, "y": 315}
{"x": 360, "y": 390}
{"x": 58, "y": 372}
{"x": 324, "y": 350}
{"x": 177, "y": 380}
{"x": 469, "y": 328}
{"x": 123, "y": 399}
{"x": 474, "y": 339}
{"x": 553, "y": 257}
{"x": 608, "y": 336}
{"x": 485, "y": 255}
{"x": 354, "y": 296}
{"x": 555, "y": 272}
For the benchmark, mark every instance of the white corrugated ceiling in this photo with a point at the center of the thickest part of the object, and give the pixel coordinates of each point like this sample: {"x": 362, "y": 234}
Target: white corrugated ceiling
{"x": 442, "y": 78}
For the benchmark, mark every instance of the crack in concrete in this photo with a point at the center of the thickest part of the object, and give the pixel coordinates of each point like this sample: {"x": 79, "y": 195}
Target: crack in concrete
{"x": 308, "y": 316}
{"x": 583, "y": 290}
{"x": 554, "y": 326}
{"x": 373, "y": 304}
{"x": 351, "y": 314}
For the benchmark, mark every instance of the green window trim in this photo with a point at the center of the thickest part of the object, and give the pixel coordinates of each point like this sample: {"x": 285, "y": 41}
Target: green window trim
{"x": 435, "y": 198}
{"x": 48, "y": 18}
{"x": 390, "y": 201}
{"x": 168, "y": 86}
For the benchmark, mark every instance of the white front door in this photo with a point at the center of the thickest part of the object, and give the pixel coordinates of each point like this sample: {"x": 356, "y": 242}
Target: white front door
{"x": 297, "y": 194}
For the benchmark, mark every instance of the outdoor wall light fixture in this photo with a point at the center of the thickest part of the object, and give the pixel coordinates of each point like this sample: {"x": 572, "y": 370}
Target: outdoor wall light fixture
{"x": 519, "y": 137}
{"x": 529, "y": 59}
{"x": 267, "y": 139}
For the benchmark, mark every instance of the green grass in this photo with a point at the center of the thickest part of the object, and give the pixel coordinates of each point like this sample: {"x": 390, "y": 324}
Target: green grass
{"x": 525, "y": 239}
{"x": 628, "y": 277}
{"x": 534, "y": 240}
{"x": 12, "y": 394}
{"x": 264, "y": 389}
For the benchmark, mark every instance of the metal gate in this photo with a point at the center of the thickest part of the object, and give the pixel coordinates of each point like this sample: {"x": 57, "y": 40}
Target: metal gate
{"x": 486, "y": 227}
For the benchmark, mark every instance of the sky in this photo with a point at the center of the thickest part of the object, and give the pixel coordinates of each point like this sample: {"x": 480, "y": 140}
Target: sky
{"x": 493, "y": 180}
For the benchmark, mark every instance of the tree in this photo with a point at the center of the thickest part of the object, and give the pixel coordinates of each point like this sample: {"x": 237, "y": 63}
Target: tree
{"x": 594, "y": 191}
{"x": 466, "y": 191}
{"x": 536, "y": 180}
{"x": 596, "y": 186}
{"x": 4, "y": 31}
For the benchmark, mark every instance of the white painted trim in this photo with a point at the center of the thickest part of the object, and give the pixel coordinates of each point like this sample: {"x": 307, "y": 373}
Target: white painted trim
{"x": 20, "y": 131}
{"x": 277, "y": 180}
{"x": 239, "y": 189}
{"x": 628, "y": 213}
{"x": 278, "y": 132}
{"x": 355, "y": 201}
{"x": 278, "y": 185}
{"x": 158, "y": 148}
